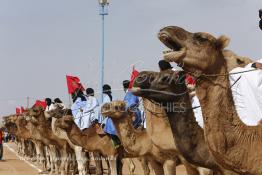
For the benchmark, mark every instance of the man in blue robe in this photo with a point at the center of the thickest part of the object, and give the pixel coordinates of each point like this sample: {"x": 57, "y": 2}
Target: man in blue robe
{"x": 132, "y": 102}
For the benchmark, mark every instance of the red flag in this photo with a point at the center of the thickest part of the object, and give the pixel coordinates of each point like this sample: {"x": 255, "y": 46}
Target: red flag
{"x": 40, "y": 103}
{"x": 17, "y": 111}
{"x": 73, "y": 83}
{"x": 134, "y": 74}
{"x": 22, "y": 109}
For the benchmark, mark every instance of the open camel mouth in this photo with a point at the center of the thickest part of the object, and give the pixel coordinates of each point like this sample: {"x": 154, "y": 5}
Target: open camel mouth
{"x": 176, "y": 52}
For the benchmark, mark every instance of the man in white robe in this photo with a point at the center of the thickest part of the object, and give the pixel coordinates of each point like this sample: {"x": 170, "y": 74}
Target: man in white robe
{"x": 92, "y": 106}
{"x": 247, "y": 93}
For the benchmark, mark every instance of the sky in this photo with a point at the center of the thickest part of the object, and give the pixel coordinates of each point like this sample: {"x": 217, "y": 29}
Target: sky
{"x": 43, "y": 41}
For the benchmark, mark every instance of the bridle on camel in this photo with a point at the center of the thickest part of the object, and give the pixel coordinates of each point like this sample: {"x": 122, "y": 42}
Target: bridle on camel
{"x": 197, "y": 75}
{"x": 192, "y": 108}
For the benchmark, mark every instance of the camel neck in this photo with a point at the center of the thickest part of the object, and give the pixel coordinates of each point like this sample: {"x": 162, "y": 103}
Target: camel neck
{"x": 134, "y": 141}
{"x": 73, "y": 133}
{"x": 189, "y": 136}
{"x": 217, "y": 103}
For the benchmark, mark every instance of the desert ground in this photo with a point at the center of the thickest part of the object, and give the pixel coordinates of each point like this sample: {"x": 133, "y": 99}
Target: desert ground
{"x": 15, "y": 165}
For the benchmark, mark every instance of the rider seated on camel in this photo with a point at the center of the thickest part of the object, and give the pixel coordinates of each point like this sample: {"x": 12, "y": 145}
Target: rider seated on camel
{"x": 49, "y": 104}
{"x": 132, "y": 103}
{"x": 109, "y": 127}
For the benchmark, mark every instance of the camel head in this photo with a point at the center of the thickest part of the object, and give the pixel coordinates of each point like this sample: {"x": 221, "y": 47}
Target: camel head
{"x": 58, "y": 112}
{"x": 195, "y": 52}
{"x": 234, "y": 60}
{"x": 65, "y": 122}
{"x": 36, "y": 115}
{"x": 9, "y": 122}
{"x": 114, "y": 110}
{"x": 161, "y": 86}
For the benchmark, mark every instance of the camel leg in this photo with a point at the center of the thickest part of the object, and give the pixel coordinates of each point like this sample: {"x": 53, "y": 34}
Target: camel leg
{"x": 42, "y": 159}
{"x": 131, "y": 166}
{"x": 119, "y": 165}
{"x": 81, "y": 160}
{"x": 205, "y": 171}
{"x": 51, "y": 161}
{"x": 47, "y": 157}
{"x": 170, "y": 167}
{"x": 65, "y": 160}
{"x": 108, "y": 164}
{"x": 144, "y": 164}
{"x": 98, "y": 162}
{"x": 54, "y": 160}
{"x": 157, "y": 167}
{"x": 113, "y": 165}
{"x": 191, "y": 170}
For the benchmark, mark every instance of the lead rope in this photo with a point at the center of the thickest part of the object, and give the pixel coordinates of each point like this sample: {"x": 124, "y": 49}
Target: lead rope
{"x": 159, "y": 105}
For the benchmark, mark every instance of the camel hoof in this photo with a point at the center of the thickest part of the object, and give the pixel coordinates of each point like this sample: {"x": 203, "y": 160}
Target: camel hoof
{"x": 43, "y": 172}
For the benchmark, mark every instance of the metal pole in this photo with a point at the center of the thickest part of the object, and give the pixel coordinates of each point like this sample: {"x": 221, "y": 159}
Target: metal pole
{"x": 102, "y": 55}
{"x": 69, "y": 101}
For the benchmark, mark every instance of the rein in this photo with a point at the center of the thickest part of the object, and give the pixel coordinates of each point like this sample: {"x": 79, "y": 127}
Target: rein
{"x": 216, "y": 75}
{"x": 166, "y": 108}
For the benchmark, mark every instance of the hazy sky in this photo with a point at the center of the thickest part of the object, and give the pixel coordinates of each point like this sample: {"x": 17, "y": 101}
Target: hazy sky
{"x": 42, "y": 41}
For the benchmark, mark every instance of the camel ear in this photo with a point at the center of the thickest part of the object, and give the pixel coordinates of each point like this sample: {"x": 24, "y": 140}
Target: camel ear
{"x": 222, "y": 42}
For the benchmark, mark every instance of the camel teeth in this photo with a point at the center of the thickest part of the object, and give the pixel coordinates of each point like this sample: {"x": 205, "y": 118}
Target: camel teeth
{"x": 167, "y": 51}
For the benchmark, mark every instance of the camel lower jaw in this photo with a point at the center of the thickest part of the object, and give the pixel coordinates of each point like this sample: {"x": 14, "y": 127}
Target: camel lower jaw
{"x": 175, "y": 56}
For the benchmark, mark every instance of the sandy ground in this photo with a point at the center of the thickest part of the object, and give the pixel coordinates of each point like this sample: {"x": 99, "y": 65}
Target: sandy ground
{"x": 13, "y": 165}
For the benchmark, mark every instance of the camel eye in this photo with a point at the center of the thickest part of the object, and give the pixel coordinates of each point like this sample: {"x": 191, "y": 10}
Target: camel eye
{"x": 200, "y": 38}
{"x": 240, "y": 61}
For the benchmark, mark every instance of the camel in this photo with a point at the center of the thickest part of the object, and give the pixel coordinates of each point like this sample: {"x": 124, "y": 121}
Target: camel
{"x": 91, "y": 141}
{"x": 80, "y": 154}
{"x": 40, "y": 129}
{"x": 233, "y": 60}
{"x": 233, "y": 144}
{"x": 140, "y": 143}
{"x": 88, "y": 139}
{"x": 188, "y": 135}
{"x": 17, "y": 125}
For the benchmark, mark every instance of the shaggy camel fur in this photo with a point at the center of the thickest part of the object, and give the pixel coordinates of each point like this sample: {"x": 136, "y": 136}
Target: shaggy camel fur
{"x": 80, "y": 154}
{"x": 91, "y": 141}
{"x": 161, "y": 152}
{"x": 17, "y": 125}
{"x": 188, "y": 135}
{"x": 40, "y": 129}
{"x": 233, "y": 144}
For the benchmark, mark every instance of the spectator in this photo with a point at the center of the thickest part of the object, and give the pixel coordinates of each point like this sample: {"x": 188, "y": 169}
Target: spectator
{"x": 1, "y": 144}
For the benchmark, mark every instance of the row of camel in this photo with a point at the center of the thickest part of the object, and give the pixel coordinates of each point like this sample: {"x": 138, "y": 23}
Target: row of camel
{"x": 172, "y": 137}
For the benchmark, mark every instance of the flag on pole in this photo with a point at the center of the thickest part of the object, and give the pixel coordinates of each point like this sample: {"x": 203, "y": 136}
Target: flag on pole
{"x": 134, "y": 74}
{"x": 73, "y": 83}
{"x": 22, "y": 109}
{"x": 17, "y": 111}
{"x": 40, "y": 103}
